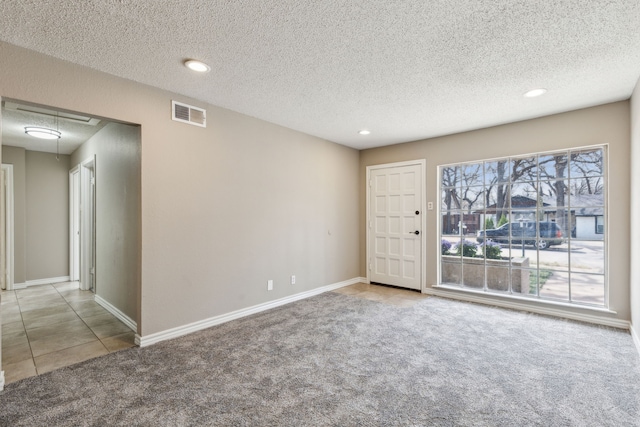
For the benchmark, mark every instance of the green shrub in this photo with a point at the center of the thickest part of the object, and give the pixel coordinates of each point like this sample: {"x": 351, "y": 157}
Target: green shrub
{"x": 503, "y": 220}
{"x": 488, "y": 224}
{"x": 468, "y": 249}
{"x": 491, "y": 250}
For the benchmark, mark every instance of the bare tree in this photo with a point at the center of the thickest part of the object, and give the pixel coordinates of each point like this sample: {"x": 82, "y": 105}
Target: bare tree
{"x": 586, "y": 172}
{"x": 561, "y": 189}
{"x": 472, "y": 191}
{"x": 497, "y": 183}
{"x": 450, "y": 177}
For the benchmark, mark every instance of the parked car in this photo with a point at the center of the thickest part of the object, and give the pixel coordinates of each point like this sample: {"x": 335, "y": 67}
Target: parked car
{"x": 550, "y": 234}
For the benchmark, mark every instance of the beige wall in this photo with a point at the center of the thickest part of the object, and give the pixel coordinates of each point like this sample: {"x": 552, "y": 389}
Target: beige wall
{"x": 635, "y": 211}
{"x": 224, "y": 208}
{"x": 599, "y": 125}
{"x": 16, "y": 156}
{"x": 41, "y": 218}
{"x": 116, "y": 148}
{"x": 47, "y": 215}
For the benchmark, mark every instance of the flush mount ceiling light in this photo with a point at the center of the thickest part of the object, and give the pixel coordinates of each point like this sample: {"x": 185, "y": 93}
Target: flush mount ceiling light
{"x": 535, "y": 92}
{"x": 42, "y": 133}
{"x": 198, "y": 66}
{"x": 364, "y": 132}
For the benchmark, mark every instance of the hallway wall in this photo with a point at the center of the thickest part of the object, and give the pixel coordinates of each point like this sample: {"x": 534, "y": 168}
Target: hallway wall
{"x": 47, "y": 215}
{"x": 41, "y": 213}
{"x": 116, "y": 148}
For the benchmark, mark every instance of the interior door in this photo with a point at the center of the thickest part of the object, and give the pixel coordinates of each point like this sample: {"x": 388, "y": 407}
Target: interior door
{"x": 395, "y": 225}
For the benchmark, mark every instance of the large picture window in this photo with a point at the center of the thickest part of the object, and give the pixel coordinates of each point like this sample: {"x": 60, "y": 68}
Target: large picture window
{"x": 532, "y": 226}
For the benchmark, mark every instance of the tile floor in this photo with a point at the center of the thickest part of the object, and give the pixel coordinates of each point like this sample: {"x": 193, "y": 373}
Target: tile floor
{"x": 50, "y": 326}
{"x": 385, "y": 294}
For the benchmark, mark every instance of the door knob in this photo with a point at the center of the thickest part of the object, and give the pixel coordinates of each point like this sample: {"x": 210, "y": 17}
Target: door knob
{"x": 416, "y": 232}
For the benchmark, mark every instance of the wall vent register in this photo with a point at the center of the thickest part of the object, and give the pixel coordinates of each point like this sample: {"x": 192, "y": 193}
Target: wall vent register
{"x": 188, "y": 114}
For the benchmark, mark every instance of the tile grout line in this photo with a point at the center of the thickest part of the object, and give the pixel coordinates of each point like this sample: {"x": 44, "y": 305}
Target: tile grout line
{"x": 83, "y": 321}
{"x": 80, "y": 317}
{"x": 33, "y": 359}
{"x": 47, "y": 297}
{"x": 74, "y": 312}
{"x": 25, "y": 328}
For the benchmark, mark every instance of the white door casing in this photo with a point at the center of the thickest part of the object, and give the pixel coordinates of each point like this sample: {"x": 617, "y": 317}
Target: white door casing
{"x": 396, "y": 224}
{"x": 7, "y": 226}
{"x": 74, "y": 224}
{"x": 87, "y": 225}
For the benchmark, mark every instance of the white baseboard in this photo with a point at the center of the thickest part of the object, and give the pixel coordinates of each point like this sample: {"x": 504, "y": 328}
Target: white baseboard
{"x": 37, "y": 282}
{"x": 1, "y": 380}
{"x": 516, "y": 305}
{"x": 147, "y": 340}
{"x": 116, "y": 312}
{"x": 635, "y": 336}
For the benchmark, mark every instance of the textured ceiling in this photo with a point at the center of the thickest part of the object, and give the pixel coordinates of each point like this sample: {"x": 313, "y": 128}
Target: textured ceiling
{"x": 404, "y": 69}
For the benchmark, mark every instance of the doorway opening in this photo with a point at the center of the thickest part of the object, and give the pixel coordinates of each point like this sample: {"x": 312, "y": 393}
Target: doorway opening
{"x": 72, "y": 260}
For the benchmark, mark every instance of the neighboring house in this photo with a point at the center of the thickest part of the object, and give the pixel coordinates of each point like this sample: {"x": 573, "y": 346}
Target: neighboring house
{"x": 586, "y": 214}
{"x": 589, "y": 217}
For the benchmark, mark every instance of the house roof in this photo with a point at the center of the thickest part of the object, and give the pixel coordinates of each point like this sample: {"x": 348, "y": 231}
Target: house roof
{"x": 583, "y": 205}
{"x": 517, "y": 202}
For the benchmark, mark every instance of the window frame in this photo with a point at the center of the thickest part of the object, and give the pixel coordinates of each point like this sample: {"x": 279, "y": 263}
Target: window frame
{"x": 570, "y": 302}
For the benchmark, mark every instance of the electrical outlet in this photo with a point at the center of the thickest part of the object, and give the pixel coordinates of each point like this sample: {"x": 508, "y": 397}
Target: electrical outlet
{"x": 270, "y": 285}
{"x": 430, "y": 206}
{"x": 293, "y": 280}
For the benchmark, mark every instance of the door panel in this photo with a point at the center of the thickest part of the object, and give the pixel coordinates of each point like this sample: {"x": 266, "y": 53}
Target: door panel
{"x": 395, "y": 250}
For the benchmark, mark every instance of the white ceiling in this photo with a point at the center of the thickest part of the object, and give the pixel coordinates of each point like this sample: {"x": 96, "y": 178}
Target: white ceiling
{"x": 404, "y": 69}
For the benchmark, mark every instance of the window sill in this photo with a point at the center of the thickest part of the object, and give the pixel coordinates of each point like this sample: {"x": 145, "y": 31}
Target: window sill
{"x": 584, "y": 313}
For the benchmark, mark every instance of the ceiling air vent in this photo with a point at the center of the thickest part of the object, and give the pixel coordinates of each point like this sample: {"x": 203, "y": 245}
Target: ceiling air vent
{"x": 188, "y": 114}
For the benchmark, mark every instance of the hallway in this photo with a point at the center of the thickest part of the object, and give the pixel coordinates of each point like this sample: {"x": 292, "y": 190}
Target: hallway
{"x": 51, "y": 326}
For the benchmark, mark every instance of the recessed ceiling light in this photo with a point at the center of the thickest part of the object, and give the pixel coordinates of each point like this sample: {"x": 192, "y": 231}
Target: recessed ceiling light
{"x": 42, "y": 133}
{"x": 364, "y": 132}
{"x": 535, "y": 92}
{"x": 198, "y": 66}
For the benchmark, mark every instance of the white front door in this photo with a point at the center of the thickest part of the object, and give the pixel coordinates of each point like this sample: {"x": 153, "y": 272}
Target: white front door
{"x": 395, "y": 224}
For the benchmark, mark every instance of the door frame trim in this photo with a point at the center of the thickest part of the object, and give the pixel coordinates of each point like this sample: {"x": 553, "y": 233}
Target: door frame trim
{"x": 9, "y": 228}
{"x": 87, "y": 224}
{"x": 74, "y": 252}
{"x": 422, "y": 163}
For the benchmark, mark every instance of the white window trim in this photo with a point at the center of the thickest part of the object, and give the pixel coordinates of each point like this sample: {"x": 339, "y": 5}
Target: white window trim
{"x": 535, "y": 300}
